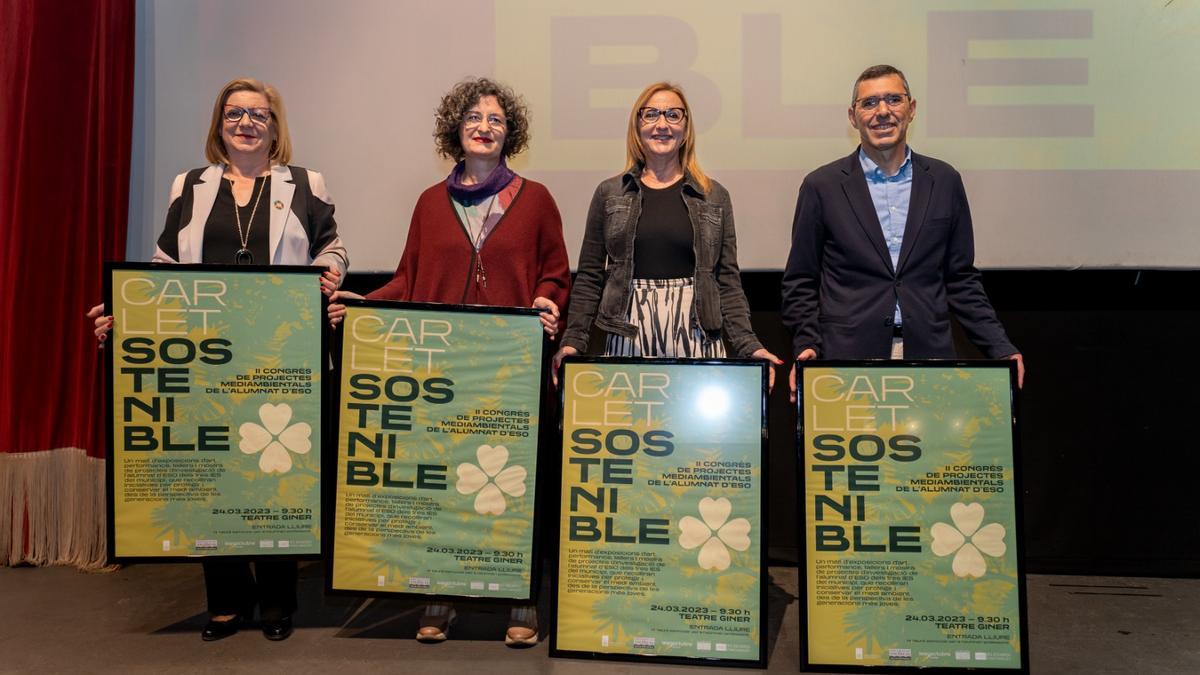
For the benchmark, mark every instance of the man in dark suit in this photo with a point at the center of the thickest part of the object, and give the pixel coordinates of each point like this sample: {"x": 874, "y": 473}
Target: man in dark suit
{"x": 882, "y": 246}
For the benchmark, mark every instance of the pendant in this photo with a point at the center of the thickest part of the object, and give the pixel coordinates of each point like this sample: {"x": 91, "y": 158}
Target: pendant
{"x": 243, "y": 257}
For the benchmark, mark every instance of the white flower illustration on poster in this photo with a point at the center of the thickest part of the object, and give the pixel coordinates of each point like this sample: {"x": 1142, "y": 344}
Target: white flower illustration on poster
{"x": 490, "y": 479}
{"x": 967, "y": 541}
{"x": 274, "y": 438}
{"x": 716, "y": 532}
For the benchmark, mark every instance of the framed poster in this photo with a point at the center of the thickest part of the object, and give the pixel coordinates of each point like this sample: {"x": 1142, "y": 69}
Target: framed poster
{"x": 214, "y": 411}
{"x": 660, "y": 547}
{"x": 437, "y": 439}
{"x": 912, "y": 517}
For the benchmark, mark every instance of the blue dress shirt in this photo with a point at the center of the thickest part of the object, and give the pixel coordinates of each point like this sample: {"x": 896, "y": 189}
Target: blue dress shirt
{"x": 891, "y": 195}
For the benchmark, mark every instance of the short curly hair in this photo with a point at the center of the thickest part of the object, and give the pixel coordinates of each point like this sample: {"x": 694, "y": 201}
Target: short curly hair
{"x": 460, "y": 99}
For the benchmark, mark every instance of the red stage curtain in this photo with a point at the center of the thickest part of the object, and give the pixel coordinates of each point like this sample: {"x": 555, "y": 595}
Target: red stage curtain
{"x": 66, "y": 109}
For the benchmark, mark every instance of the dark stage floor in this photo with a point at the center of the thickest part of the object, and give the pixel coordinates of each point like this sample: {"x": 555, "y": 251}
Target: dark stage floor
{"x": 147, "y": 618}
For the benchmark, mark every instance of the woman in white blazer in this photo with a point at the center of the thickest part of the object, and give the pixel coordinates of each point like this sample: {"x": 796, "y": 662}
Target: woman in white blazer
{"x": 249, "y": 206}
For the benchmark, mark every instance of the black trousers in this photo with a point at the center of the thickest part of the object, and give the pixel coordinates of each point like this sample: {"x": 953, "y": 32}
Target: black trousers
{"x": 233, "y": 589}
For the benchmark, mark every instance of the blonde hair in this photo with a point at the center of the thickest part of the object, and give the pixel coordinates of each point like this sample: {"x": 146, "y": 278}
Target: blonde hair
{"x": 281, "y": 147}
{"x": 635, "y": 154}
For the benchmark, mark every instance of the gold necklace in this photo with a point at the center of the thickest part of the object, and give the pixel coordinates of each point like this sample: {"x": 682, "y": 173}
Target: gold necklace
{"x": 243, "y": 255}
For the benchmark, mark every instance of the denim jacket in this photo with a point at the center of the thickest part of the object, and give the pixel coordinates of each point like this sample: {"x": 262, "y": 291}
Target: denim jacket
{"x": 606, "y": 262}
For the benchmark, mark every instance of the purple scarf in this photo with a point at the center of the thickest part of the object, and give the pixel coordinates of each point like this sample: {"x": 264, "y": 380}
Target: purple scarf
{"x": 496, "y": 181}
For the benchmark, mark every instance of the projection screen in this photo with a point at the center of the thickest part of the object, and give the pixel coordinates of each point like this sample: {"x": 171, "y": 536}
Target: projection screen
{"x": 1068, "y": 119}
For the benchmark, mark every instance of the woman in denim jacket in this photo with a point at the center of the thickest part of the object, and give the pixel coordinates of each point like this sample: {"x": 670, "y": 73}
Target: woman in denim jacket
{"x": 658, "y": 269}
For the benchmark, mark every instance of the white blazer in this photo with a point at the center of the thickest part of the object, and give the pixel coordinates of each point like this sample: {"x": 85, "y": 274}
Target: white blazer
{"x": 289, "y": 242}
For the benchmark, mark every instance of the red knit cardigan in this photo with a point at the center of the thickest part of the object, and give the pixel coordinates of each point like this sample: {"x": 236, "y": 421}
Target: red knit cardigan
{"x": 524, "y": 257}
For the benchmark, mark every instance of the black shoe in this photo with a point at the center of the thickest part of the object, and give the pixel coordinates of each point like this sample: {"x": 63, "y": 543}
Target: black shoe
{"x": 219, "y": 630}
{"x": 277, "y": 629}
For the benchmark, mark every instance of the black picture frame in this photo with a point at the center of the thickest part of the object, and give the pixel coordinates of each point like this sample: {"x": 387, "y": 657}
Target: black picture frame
{"x": 803, "y": 535}
{"x": 330, "y": 485}
{"x": 110, "y": 428}
{"x": 764, "y": 577}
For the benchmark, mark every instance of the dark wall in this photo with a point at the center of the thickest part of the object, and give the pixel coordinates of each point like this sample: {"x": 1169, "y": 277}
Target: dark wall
{"x": 1109, "y": 416}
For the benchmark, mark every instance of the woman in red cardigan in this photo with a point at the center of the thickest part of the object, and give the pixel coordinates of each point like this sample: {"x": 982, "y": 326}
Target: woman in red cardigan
{"x": 483, "y": 236}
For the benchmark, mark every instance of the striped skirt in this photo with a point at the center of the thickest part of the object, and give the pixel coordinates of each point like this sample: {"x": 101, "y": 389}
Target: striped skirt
{"x": 662, "y": 311}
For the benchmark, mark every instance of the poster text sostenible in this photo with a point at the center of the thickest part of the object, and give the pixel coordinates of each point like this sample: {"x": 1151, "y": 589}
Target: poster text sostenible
{"x": 910, "y": 517}
{"x": 437, "y": 451}
{"x": 660, "y": 539}
{"x": 216, "y": 411}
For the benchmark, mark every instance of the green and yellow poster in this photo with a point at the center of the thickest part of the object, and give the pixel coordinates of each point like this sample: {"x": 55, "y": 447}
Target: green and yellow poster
{"x": 660, "y": 540}
{"x": 911, "y": 516}
{"x": 437, "y": 450}
{"x": 214, "y": 411}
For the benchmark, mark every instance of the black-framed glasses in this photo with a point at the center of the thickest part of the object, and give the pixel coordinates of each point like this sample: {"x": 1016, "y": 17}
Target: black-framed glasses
{"x": 474, "y": 119}
{"x": 673, "y": 116}
{"x": 234, "y": 113}
{"x": 892, "y": 101}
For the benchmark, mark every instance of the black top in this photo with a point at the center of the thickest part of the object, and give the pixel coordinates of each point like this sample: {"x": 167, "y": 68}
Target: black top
{"x": 663, "y": 247}
{"x": 221, "y": 241}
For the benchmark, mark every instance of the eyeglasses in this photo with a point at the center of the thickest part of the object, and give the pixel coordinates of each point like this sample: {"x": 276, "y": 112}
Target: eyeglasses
{"x": 234, "y": 113}
{"x": 673, "y": 116}
{"x": 474, "y": 119}
{"x": 892, "y": 101}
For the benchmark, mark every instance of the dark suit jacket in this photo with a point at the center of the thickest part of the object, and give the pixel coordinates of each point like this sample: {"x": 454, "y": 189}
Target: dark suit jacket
{"x": 840, "y": 289}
